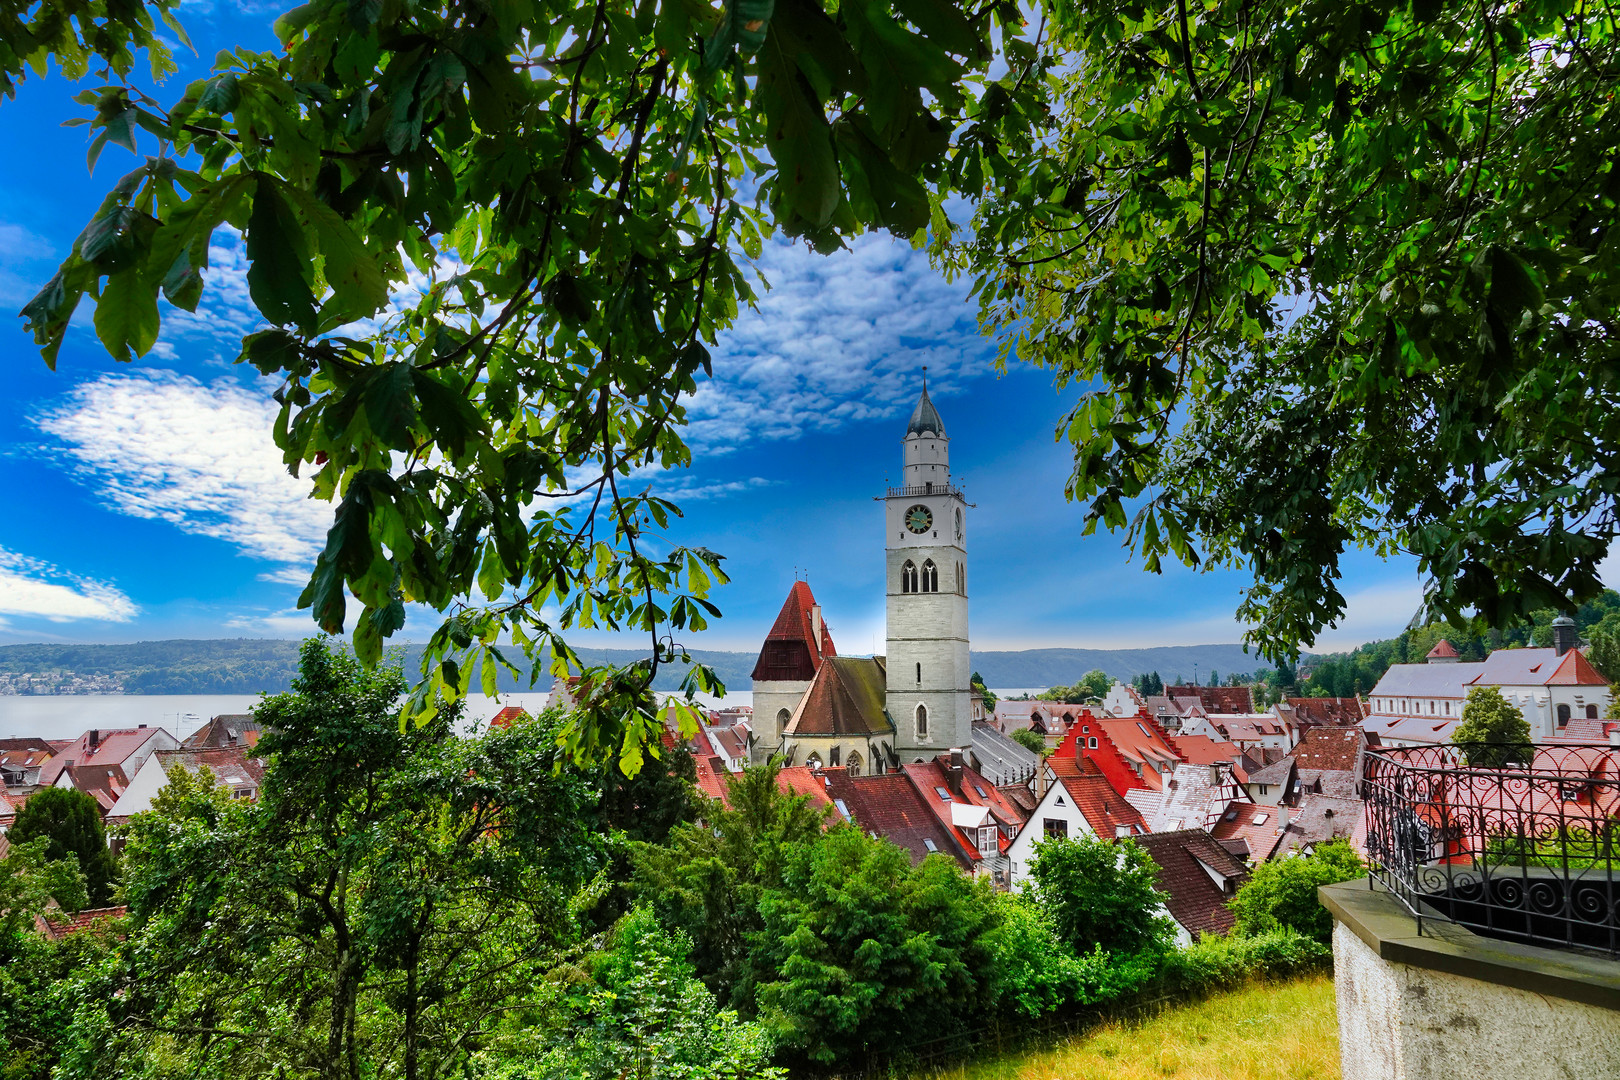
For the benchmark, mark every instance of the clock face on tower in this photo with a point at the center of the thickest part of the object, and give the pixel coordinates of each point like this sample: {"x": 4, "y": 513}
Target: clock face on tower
{"x": 919, "y": 519}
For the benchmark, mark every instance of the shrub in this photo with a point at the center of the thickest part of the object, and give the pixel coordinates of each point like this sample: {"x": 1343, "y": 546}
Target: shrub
{"x": 1099, "y": 894}
{"x": 1220, "y": 961}
{"x": 1033, "y": 973}
{"x": 1030, "y": 740}
{"x": 1282, "y": 892}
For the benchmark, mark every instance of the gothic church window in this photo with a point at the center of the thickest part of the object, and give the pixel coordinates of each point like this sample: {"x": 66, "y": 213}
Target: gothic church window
{"x": 922, "y": 721}
{"x": 813, "y": 761}
{"x": 832, "y": 756}
{"x": 1563, "y": 715}
{"x": 782, "y": 718}
{"x": 908, "y": 577}
{"x": 854, "y": 763}
{"x": 930, "y": 576}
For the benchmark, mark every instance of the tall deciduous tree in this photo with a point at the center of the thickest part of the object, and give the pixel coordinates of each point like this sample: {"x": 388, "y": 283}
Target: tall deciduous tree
{"x": 1493, "y": 732}
{"x": 394, "y": 893}
{"x": 573, "y": 182}
{"x": 1333, "y": 275}
{"x": 70, "y": 821}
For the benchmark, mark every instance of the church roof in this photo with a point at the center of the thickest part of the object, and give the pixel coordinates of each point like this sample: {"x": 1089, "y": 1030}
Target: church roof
{"x": 846, "y": 698}
{"x": 793, "y": 651}
{"x": 925, "y": 418}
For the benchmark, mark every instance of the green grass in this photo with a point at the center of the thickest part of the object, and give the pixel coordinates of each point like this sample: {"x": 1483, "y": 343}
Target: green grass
{"x": 1263, "y": 1031}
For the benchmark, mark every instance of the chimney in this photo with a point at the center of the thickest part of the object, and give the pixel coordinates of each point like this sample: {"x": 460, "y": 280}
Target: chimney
{"x": 815, "y": 624}
{"x": 954, "y": 773}
{"x": 1282, "y": 819}
{"x": 1041, "y": 780}
{"x": 1563, "y": 629}
{"x": 95, "y": 739}
{"x": 1214, "y": 774}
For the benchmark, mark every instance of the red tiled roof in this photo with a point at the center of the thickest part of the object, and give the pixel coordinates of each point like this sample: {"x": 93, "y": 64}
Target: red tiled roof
{"x": 846, "y": 698}
{"x": 114, "y": 746}
{"x": 1327, "y": 710}
{"x": 1237, "y": 822}
{"x": 793, "y": 651}
{"x": 1203, "y": 750}
{"x": 1576, "y": 670}
{"x": 1329, "y": 748}
{"x": 1443, "y": 650}
{"x": 1192, "y": 896}
{"x": 506, "y": 718}
{"x": 59, "y": 924}
{"x": 890, "y": 806}
{"x": 1216, "y": 699}
{"x": 1104, "y": 809}
{"x": 712, "y": 778}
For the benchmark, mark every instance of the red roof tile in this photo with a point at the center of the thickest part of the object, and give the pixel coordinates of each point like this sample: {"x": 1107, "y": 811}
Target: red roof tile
{"x": 1576, "y": 670}
{"x": 1203, "y": 750}
{"x": 846, "y": 698}
{"x": 59, "y": 924}
{"x": 1327, "y": 710}
{"x": 793, "y": 651}
{"x": 506, "y": 718}
{"x": 1238, "y": 822}
{"x": 1186, "y": 860}
{"x": 114, "y": 746}
{"x": 1443, "y": 650}
{"x": 1104, "y": 809}
{"x": 1216, "y": 699}
{"x": 890, "y": 806}
{"x": 1329, "y": 748}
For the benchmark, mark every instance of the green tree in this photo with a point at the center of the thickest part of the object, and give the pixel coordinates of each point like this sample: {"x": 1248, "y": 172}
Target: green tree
{"x": 1099, "y": 894}
{"x": 1493, "y": 731}
{"x": 1035, "y": 973}
{"x": 70, "y": 821}
{"x": 984, "y": 692}
{"x": 576, "y": 186}
{"x": 860, "y": 951}
{"x": 1030, "y": 739}
{"x": 1325, "y": 275}
{"x": 706, "y": 881}
{"x": 640, "y": 1015}
{"x": 1605, "y": 654}
{"x": 1281, "y": 893}
{"x": 395, "y": 891}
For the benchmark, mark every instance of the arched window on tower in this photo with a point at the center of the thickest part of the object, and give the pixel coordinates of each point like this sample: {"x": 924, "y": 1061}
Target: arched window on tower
{"x": 961, "y": 579}
{"x": 908, "y": 577}
{"x": 782, "y": 718}
{"x": 922, "y": 721}
{"x": 930, "y": 576}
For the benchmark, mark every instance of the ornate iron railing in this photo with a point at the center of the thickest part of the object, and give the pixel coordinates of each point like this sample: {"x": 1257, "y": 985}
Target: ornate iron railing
{"x": 943, "y": 487}
{"x": 1519, "y": 841}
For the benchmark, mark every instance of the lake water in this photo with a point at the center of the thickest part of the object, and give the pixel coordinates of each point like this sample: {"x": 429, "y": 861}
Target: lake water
{"x": 70, "y": 715}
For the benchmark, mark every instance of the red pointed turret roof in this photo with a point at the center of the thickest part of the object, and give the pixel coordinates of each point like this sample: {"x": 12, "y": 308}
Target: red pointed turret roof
{"x": 1574, "y": 669}
{"x": 793, "y": 650}
{"x": 1443, "y": 650}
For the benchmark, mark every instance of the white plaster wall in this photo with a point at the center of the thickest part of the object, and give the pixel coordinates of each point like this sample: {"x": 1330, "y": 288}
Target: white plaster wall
{"x": 769, "y": 699}
{"x": 1057, "y": 804}
{"x": 927, "y": 458}
{"x": 1398, "y": 1022}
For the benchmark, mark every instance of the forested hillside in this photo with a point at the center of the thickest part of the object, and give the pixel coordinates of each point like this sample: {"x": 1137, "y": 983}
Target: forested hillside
{"x": 251, "y": 665}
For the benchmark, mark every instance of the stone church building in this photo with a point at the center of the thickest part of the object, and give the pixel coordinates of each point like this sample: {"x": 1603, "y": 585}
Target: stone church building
{"x": 874, "y": 714}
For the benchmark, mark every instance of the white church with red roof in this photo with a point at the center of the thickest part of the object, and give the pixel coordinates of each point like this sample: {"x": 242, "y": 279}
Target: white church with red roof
{"x": 872, "y": 714}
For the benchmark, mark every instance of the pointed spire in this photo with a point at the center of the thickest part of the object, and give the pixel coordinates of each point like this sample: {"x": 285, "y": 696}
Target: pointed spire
{"x": 925, "y": 418}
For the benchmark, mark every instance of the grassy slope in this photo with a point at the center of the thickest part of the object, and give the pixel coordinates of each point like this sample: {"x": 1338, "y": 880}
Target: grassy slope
{"x": 1279, "y": 1031}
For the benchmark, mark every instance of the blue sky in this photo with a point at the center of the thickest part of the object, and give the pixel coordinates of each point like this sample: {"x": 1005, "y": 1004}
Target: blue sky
{"x": 147, "y": 501}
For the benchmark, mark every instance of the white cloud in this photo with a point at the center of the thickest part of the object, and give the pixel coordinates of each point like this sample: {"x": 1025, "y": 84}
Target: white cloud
{"x": 198, "y": 456}
{"x": 26, "y": 263}
{"x": 838, "y": 339}
{"x": 38, "y": 589}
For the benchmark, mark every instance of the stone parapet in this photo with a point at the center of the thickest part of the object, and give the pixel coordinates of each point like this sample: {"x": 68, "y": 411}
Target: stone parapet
{"x": 1448, "y": 1004}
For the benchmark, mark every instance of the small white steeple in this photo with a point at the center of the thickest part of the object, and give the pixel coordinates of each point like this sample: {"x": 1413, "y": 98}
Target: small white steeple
{"x": 927, "y": 448}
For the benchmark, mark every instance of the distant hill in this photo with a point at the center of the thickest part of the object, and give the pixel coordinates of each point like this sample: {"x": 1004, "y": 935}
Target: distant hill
{"x": 252, "y": 665}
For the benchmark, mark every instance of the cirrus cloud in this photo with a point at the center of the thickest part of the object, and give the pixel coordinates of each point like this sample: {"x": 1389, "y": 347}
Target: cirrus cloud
{"x": 34, "y": 588}
{"x": 197, "y": 455}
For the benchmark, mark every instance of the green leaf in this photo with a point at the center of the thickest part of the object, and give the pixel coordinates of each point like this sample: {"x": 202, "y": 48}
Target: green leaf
{"x": 276, "y": 270}
{"x": 448, "y": 414}
{"x": 359, "y": 289}
{"x": 127, "y": 315}
{"x": 221, "y": 94}
{"x": 390, "y": 405}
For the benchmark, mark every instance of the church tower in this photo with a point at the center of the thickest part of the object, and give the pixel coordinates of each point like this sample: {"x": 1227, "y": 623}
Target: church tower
{"x": 928, "y": 694}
